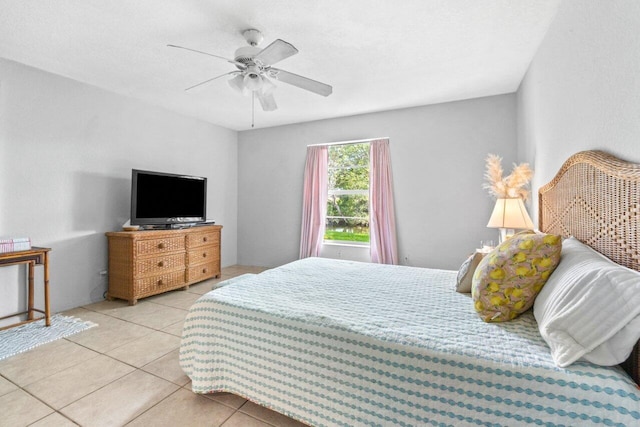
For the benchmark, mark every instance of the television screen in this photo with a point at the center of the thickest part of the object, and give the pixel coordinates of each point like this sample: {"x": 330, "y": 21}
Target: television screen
{"x": 163, "y": 198}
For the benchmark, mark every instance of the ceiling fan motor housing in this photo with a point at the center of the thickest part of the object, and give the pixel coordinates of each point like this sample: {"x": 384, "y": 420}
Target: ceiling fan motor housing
{"x": 246, "y": 54}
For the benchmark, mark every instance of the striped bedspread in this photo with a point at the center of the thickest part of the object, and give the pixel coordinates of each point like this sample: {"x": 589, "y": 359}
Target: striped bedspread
{"x": 333, "y": 343}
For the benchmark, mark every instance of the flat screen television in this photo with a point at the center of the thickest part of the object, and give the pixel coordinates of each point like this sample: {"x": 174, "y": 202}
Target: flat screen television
{"x": 159, "y": 198}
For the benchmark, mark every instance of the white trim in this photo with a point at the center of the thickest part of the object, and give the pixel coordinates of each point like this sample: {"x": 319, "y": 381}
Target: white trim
{"x": 337, "y": 192}
{"x": 351, "y": 245}
{"x": 355, "y": 141}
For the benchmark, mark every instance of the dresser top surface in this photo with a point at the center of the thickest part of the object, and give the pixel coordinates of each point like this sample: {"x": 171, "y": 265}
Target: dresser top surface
{"x": 154, "y": 234}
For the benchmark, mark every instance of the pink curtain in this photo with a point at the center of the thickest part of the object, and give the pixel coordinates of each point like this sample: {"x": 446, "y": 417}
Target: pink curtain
{"x": 314, "y": 204}
{"x": 382, "y": 218}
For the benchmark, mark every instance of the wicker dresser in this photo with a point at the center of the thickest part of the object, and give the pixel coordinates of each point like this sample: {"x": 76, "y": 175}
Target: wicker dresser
{"x": 145, "y": 263}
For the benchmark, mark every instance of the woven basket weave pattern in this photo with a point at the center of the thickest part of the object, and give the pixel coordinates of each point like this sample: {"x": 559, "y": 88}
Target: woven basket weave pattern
{"x": 199, "y": 272}
{"x": 159, "y": 283}
{"x": 595, "y": 197}
{"x": 163, "y": 245}
{"x": 200, "y": 239}
{"x": 145, "y": 263}
{"x": 157, "y": 265}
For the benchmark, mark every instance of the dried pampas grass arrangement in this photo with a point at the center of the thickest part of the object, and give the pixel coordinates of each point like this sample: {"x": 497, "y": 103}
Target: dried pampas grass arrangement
{"x": 514, "y": 185}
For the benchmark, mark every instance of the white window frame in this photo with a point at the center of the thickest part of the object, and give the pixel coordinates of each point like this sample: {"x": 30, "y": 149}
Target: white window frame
{"x": 338, "y": 192}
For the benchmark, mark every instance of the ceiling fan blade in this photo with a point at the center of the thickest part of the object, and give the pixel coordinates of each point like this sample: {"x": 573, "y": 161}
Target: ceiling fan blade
{"x": 236, "y": 63}
{"x": 302, "y": 82}
{"x": 276, "y": 52}
{"x": 212, "y": 79}
{"x": 267, "y": 101}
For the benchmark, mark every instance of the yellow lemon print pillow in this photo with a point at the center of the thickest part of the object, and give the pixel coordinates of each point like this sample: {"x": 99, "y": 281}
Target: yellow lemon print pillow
{"x": 507, "y": 281}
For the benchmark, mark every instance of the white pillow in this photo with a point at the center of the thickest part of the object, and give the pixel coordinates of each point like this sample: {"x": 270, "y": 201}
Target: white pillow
{"x": 589, "y": 308}
{"x": 465, "y": 274}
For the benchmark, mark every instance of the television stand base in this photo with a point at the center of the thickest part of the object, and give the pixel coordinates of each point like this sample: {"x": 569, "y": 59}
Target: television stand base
{"x": 169, "y": 226}
{"x": 145, "y": 263}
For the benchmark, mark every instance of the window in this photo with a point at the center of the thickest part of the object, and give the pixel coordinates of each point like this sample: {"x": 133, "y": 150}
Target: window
{"x": 348, "y": 196}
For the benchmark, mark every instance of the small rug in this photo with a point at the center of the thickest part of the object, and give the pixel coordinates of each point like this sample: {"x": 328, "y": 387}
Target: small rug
{"x": 30, "y": 335}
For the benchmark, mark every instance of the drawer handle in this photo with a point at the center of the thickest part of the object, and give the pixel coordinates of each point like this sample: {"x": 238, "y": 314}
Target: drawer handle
{"x": 204, "y": 255}
{"x": 204, "y": 239}
{"x": 161, "y": 245}
{"x": 161, "y": 264}
{"x": 160, "y": 282}
{"x": 204, "y": 270}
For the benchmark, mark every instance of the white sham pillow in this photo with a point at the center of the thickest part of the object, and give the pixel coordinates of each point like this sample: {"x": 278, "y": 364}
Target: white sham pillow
{"x": 589, "y": 308}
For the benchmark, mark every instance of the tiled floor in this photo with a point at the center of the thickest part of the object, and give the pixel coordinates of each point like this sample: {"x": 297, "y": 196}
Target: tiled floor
{"x": 123, "y": 372}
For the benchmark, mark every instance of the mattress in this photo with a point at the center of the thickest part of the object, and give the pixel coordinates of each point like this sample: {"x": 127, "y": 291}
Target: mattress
{"x": 332, "y": 342}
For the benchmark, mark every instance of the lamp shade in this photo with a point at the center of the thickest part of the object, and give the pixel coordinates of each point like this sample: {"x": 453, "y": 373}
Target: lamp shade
{"x": 253, "y": 81}
{"x": 510, "y": 213}
{"x": 237, "y": 82}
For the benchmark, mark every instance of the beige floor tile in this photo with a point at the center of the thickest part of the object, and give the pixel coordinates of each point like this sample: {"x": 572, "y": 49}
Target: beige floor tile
{"x": 243, "y": 420}
{"x": 175, "y": 329}
{"x": 20, "y": 409}
{"x": 84, "y": 314}
{"x": 155, "y": 316}
{"x": 228, "y": 399}
{"x": 184, "y": 409}
{"x": 168, "y": 368}
{"x": 76, "y": 312}
{"x": 121, "y": 401}
{"x": 69, "y": 385}
{"x": 146, "y": 349}
{"x": 231, "y": 274}
{"x": 203, "y": 287}
{"x": 43, "y": 361}
{"x": 176, "y": 299}
{"x": 269, "y": 416}
{"x": 110, "y": 333}
{"x": 54, "y": 420}
{"x": 110, "y": 392}
{"x": 6, "y": 386}
{"x": 103, "y": 306}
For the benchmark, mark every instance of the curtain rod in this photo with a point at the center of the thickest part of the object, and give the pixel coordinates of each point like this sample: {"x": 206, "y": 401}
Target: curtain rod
{"x": 356, "y": 141}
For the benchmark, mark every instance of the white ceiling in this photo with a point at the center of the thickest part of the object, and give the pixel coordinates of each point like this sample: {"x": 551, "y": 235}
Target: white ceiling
{"x": 378, "y": 55}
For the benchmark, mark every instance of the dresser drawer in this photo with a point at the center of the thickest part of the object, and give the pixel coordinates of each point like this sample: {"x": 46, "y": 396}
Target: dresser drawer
{"x": 154, "y": 284}
{"x": 202, "y": 239}
{"x": 149, "y": 262}
{"x": 160, "y": 246}
{"x": 202, "y": 255}
{"x": 202, "y": 271}
{"x": 159, "y": 265}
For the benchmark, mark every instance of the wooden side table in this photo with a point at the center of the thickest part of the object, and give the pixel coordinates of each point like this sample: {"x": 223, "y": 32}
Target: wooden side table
{"x": 32, "y": 257}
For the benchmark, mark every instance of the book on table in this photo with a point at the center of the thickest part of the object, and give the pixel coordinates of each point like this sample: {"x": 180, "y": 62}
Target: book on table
{"x": 15, "y": 244}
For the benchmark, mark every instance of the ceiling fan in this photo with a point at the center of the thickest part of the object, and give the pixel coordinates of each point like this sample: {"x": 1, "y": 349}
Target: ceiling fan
{"x": 255, "y": 70}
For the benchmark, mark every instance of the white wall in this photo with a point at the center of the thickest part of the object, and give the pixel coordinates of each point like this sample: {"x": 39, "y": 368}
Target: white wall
{"x": 67, "y": 150}
{"x": 437, "y": 154}
{"x": 582, "y": 90}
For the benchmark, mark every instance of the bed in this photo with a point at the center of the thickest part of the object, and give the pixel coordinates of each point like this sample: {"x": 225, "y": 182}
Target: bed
{"x": 331, "y": 342}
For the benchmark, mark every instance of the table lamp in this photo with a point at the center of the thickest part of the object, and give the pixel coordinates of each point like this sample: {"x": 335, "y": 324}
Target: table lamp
{"x": 509, "y": 214}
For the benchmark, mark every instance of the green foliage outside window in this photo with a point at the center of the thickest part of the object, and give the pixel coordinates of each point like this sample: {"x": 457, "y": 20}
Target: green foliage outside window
{"x": 348, "y": 201}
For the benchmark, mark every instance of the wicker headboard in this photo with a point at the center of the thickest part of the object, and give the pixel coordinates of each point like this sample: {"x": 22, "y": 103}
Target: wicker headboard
{"x": 595, "y": 197}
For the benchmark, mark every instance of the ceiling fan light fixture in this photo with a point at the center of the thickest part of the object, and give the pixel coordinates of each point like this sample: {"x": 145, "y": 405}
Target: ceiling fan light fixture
{"x": 267, "y": 86}
{"x": 255, "y": 70}
{"x": 253, "y": 79}
{"x": 237, "y": 83}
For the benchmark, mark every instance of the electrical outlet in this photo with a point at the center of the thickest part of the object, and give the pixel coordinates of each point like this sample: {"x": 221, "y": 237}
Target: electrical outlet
{"x": 406, "y": 260}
